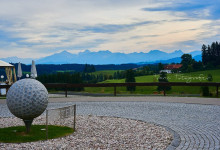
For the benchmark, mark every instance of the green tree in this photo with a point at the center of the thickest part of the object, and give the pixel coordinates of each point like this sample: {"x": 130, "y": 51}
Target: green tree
{"x": 110, "y": 77}
{"x": 197, "y": 66}
{"x": 106, "y": 77}
{"x": 129, "y": 78}
{"x": 187, "y": 62}
{"x": 211, "y": 55}
{"x": 163, "y": 78}
{"x": 100, "y": 77}
{"x": 204, "y": 54}
{"x": 160, "y": 66}
{"x": 89, "y": 68}
{"x": 62, "y": 78}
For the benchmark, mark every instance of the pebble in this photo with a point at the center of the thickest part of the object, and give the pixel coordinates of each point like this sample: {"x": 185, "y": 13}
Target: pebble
{"x": 93, "y": 132}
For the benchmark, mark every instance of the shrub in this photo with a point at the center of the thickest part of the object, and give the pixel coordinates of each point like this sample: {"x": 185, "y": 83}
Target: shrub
{"x": 163, "y": 78}
{"x": 209, "y": 78}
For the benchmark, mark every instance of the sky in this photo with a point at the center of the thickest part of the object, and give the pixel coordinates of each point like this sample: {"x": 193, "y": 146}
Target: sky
{"x": 34, "y": 29}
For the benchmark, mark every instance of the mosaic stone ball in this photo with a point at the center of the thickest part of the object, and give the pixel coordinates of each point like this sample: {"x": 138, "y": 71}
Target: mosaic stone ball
{"x": 27, "y": 99}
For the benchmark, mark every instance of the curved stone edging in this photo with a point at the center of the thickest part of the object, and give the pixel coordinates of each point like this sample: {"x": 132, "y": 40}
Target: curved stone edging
{"x": 176, "y": 139}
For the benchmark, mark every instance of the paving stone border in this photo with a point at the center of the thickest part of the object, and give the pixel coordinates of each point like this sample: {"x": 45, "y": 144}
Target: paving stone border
{"x": 176, "y": 139}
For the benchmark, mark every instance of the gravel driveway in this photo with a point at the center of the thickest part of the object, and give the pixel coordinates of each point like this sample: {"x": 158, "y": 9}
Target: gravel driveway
{"x": 197, "y": 125}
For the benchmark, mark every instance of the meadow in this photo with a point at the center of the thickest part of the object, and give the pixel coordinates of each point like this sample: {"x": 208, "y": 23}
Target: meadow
{"x": 200, "y": 76}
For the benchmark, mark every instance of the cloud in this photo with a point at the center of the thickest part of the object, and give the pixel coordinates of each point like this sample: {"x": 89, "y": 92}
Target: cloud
{"x": 194, "y": 9}
{"x": 112, "y": 28}
{"x": 38, "y": 28}
{"x": 178, "y": 7}
{"x": 189, "y": 43}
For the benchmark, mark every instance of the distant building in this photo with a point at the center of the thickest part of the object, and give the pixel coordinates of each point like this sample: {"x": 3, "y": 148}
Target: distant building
{"x": 173, "y": 66}
{"x": 135, "y": 69}
{"x": 169, "y": 68}
{"x": 167, "y": 71}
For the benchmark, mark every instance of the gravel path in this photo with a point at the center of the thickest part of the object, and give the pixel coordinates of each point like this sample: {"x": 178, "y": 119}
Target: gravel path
{"x": 98, "y": 133}
{"x": 197, "y": 125}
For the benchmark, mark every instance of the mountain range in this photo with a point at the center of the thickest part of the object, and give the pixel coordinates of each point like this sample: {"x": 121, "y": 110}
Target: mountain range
{"x": 107, "y": 57}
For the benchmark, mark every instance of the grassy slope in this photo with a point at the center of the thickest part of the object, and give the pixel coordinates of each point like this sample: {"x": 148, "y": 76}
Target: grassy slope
{"x": 186, "y": 77}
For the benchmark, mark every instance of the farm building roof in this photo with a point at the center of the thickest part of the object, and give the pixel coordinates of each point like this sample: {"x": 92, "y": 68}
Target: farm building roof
{"x": 174, "y": 66}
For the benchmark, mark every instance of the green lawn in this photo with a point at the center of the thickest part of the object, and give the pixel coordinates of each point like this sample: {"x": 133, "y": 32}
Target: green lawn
{"x": 17, "y": 134}
{"x": 200, "y": 76}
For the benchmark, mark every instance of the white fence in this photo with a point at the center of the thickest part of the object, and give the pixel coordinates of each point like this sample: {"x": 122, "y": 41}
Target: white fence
{"x": 59, "y": 115}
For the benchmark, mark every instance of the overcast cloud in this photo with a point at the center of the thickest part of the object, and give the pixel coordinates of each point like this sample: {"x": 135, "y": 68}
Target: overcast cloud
{"x": 40, "y": 28}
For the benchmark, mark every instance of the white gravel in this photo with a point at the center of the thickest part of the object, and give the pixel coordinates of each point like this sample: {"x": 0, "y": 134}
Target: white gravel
{"x": 94, "y": 132}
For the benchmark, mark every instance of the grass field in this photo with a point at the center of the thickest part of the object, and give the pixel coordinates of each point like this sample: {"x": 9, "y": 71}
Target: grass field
{"x": 18, "y": 135}
{"x": 200, "y": 76}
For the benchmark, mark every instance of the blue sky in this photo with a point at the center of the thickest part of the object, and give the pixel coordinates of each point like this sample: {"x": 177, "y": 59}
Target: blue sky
{"x": 40, "y": 28}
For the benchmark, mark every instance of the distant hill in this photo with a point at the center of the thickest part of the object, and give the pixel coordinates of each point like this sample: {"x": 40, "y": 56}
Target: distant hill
{"x": 105, "y": 57}
{"x": 172, "y": 60}
{"x": 53, "y": 68}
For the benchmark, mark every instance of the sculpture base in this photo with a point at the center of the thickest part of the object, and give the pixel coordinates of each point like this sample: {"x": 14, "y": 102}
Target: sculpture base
{"x": 28, "y": 125}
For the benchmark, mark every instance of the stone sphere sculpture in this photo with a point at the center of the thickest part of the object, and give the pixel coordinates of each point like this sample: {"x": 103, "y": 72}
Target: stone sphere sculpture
{"x": 27, "y": 99}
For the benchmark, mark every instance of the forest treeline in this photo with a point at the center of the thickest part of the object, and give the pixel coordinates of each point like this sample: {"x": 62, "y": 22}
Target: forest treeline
{"x": 211, "y": 55}
{"x": 73, "y": 68}
{"x": 210, "y": 59}
{"x": 89, "y": 77}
